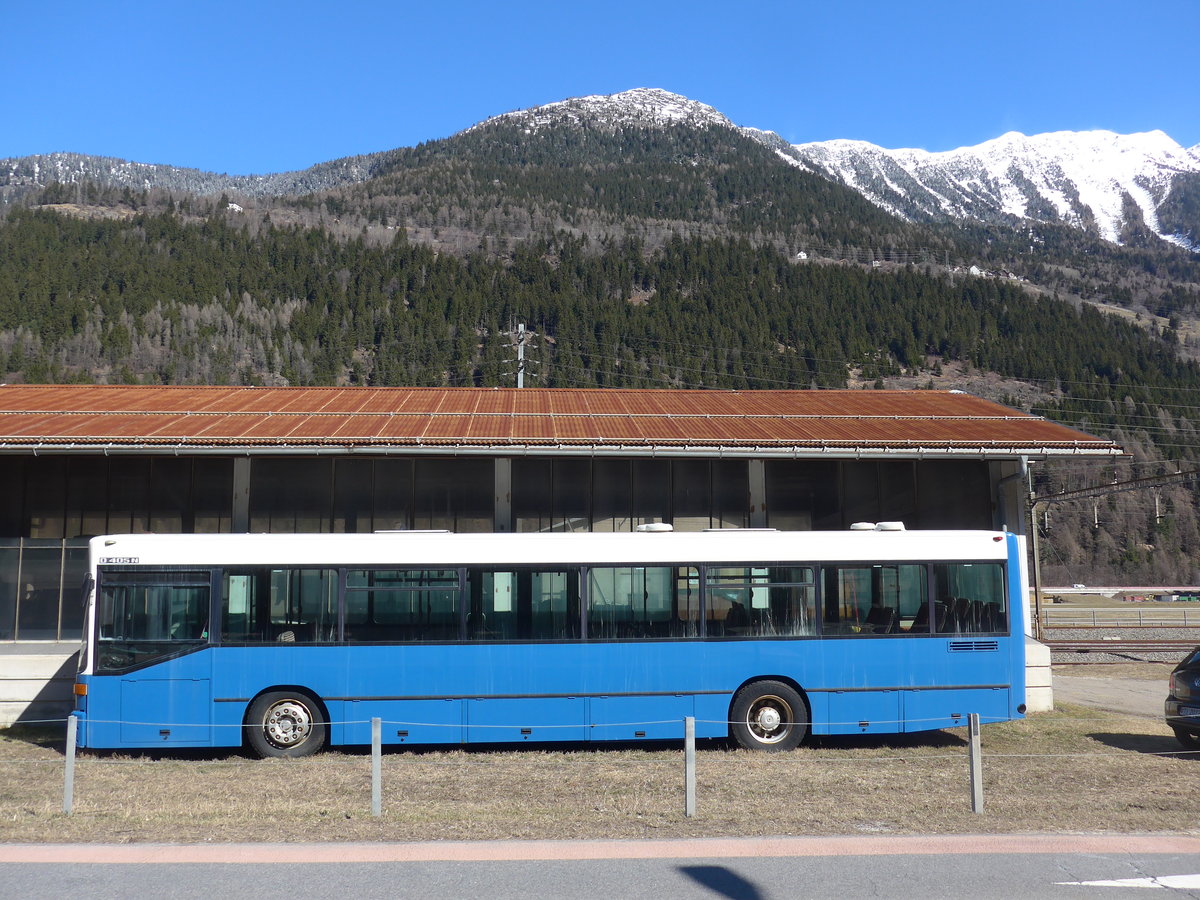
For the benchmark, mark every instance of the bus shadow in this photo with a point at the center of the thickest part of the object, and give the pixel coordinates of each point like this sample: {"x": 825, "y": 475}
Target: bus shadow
{"x": 916, "y": 740}
{"x": 53, "y": 738}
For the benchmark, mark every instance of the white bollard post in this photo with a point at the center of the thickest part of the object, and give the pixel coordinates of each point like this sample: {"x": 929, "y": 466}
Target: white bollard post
{"x": 377, "y": 767}
{"x": 689, "y": 766}
{"x": 69, "y": 779}
{"x": 976, "y": 763}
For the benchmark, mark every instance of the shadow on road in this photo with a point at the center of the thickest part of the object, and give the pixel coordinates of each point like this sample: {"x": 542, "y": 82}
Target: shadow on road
{"x": 722, "y": 882}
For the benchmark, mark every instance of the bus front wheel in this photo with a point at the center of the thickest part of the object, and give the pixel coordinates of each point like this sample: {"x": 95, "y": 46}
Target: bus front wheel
{"x": 769, "y": 715}
{"x": 285, "y": 724}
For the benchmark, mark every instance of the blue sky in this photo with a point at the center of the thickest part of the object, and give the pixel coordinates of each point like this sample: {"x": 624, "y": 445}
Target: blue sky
{"x": 262, "y": 86}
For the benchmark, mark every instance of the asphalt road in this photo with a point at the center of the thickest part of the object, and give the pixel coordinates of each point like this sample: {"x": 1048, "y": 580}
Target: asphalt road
{"x": 1132, "y": 696}
{"x": 744, "y": 869}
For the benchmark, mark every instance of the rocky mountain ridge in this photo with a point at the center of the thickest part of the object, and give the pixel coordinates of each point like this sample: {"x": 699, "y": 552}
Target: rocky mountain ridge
{"x": 1099, "y": 182}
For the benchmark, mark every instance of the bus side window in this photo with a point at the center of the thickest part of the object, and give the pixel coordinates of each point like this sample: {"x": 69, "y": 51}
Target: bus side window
{"x": 973, "y": 598}
{"x": 401, "y": 605}
{"x": 642, "y": 602}
{"x": 761, "y": 601}
{"x": 873, "y": 600}
{"x": 289, "y": 606}
{"x": 523, "y": 605}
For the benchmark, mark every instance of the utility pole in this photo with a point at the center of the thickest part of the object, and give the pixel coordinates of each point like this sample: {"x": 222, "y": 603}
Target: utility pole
{"x": 1036, "y": 504}
{"x": 520, "y": 337}
{"x": 520, "y": 354}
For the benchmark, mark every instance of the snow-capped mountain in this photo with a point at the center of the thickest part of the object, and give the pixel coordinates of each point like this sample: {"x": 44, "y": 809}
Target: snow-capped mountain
{"x": 20, "y": 174}
{"x": 1093, "y": 180}
{"x": 1099, "y": 181}
{"x": 1084, "y": 179}
{"x": 640, "y": 106}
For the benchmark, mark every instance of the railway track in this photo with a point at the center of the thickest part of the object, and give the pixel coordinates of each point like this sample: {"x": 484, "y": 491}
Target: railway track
{"x": 1120, "y": 645}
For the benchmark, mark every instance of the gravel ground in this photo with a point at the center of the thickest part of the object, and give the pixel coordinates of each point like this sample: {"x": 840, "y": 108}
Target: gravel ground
{"x": 1141, "y": 634}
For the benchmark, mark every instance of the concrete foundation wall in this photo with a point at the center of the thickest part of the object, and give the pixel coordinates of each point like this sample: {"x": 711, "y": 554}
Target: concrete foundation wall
{"x": 36, "y": 682}
{"x": 1039, "y": 686}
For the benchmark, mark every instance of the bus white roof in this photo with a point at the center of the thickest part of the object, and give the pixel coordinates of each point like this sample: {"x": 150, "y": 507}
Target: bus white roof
{"x": 413, "y": 549}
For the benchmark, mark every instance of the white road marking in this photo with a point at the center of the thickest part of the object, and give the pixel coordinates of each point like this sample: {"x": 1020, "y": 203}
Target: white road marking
{"x": 1179, "y": 882}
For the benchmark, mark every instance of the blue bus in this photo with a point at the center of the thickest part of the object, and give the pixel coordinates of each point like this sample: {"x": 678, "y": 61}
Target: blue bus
{"x": 287, "y": 643}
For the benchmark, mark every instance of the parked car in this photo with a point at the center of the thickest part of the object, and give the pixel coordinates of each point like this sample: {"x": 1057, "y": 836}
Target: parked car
{"x": 1183, "y": 701}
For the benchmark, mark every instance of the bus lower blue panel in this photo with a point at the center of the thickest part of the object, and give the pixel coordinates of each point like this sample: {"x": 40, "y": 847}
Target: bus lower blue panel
{"x": 929, "y": 710}
{"x": 526, "y": 719}
{"x": 712, "y": 715}
{"x": 863, "y": 712}
{"x": 157, "y": 711}
{"x": 405, "y": 721}
{"x": 630, "y": 718}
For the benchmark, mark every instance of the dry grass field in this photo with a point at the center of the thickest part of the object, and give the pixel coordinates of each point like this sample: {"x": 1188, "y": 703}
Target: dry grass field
{"x": 1072, "y": 770}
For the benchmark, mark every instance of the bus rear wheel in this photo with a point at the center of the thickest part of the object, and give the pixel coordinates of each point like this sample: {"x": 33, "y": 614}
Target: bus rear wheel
{"x": 769, "y": 715}
{"x": 285, "y": 724}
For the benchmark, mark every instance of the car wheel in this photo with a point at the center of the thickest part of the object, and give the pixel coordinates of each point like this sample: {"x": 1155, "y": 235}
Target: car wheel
{"x": 1189, "y": 739}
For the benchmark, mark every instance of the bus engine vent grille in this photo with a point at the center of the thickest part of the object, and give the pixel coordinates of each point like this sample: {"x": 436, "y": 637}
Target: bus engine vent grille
{"x": 972, "y": 646}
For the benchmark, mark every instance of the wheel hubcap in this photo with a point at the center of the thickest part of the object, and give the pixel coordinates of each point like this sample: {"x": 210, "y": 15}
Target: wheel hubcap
{"x": 287, "y": 723}
{"x": 769, "y": 720}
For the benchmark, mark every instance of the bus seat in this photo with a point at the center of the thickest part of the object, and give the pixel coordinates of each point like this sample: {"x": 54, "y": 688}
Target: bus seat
{"x": 880, "y": 619}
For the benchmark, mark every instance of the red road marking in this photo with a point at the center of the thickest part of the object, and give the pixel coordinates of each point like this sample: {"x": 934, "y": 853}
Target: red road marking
{"x": 703, "y": 848}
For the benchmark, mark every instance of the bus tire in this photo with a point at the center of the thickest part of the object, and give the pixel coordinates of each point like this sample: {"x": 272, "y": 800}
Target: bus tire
{"x": 285, "y": 724}
{"x": 770, "y": 716}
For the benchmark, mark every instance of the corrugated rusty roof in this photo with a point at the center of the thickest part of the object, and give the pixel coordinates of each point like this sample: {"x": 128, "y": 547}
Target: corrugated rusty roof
{"x": 795, "y": 423}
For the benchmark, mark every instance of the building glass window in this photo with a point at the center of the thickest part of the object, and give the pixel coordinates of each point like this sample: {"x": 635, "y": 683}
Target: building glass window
{"x": 128, "y": 495}
{"x": 212, "y": 495}
{"x": 612, "y": 495}
{"x": 691, "y": 494}
{"x": 710, "y": 494}
{"x": 954, "y": 494}
{"x": 455, "y": 494}
{"x": 392, "y": 493}
{"x": 802, "y": 495}
{"x": 731, "y": 493}
{"x": 12, "y": 491}
{"x": 352, "y": 496}
{"x": 39, "y": 589}
{"x": 75, "y": 570}
{"x": 46, "y": 496}
{"x": 553, "y": 495}
{"x": 10, "y": 556}
{"x": 290, "y": 495}
{"x": 170, "y": 495}
{"x": 651, "y": 491}
{"x": 532, "y": 494}
{"x": 87, "y": 497}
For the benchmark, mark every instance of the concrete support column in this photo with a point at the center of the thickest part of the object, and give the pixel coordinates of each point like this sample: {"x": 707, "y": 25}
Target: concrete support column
{"x": 758, "y": 493}
{"x": 503, "y": 520}
{"x": 241, "y": 494}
